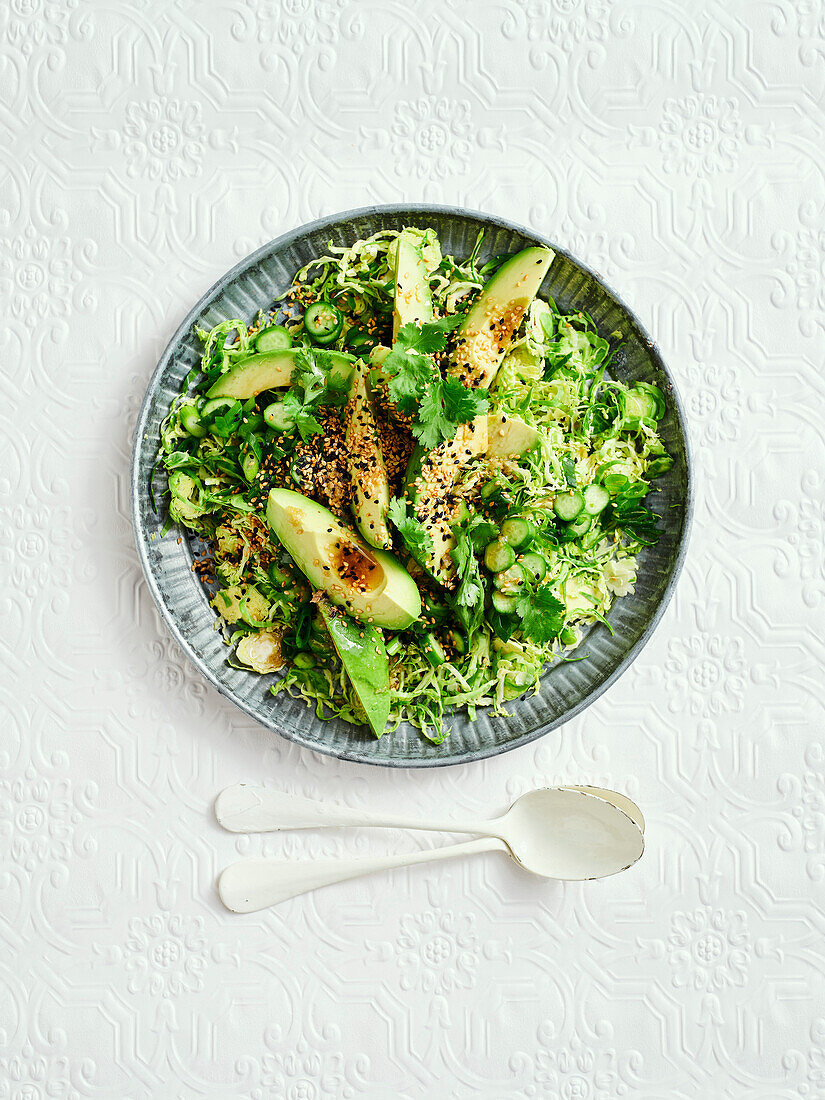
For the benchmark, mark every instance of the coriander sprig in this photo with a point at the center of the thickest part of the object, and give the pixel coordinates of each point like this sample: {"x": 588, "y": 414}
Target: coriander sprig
{"x": 437, "y": 404}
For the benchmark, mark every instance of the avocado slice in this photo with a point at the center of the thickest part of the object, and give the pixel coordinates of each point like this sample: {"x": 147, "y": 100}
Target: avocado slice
{"x": 376, "y": 363}
{"x": 269, "y": 371}
{"x": 364, "y": 657}
{"x": 509, "y": 435}
{"x": 413, "y": 300}
{"x": 431, "y": 475}
{"x": 369, "y": 583}
{"x": 483, "y": 336}
{"x": 430, "y": 479}
{"x": 370, "y": 485}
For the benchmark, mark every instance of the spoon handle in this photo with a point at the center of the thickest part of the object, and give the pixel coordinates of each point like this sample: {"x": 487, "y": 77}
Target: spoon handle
{"x": 256, "y": 884}
{"x": 249, "y": 809}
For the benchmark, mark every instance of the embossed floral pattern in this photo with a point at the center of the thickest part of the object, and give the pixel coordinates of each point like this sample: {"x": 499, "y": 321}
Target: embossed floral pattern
{"x": 165, "y": 955}
{"x": 173, "y": 680}
{"x": 431, "y": 137}
{"x": 705, "y": 673}
{"x": 810, "y": 19}
{"x": 708, "y": 949}
{"x": 34, "y": 1076}
{"x": 301, "y": 1073}
{"x": 574, "y": 1071}
{"x": 811, "y": 527}
{"x": 700, "y": 135}
{"x": 813, "y": 1087}
{"x": 804, "y": 524}
{"x": 37, "y": 819}
{"x": 437, "y": 952}
{"x": 800, "y": 274}
{"x": 38, "y": 275}
{"x": 714, "y": 401}
{"x": 298, "y": 23}
{"x": 564, "y": 23}
{"x": 37, "y": 544}
{"x": 592, "y": 249}
{"x": 30, "y": 23}
{"x": 811, "y": 808}
{"x": 804, "y": 827}
{"x": 163, "y": 139}
{"x": 806, "y": 269}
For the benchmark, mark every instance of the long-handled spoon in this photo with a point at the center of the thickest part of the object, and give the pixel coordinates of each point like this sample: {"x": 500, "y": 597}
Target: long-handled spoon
{"x": 246, "y": 808}
{"x": 555, "y": 832}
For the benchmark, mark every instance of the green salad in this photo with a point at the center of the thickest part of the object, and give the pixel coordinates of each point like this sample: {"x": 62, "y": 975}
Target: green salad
{"x": 416, "y": 483}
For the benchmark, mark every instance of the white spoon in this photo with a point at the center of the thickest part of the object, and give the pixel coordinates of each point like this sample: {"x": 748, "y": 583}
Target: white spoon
{"x": 556, "y": 832}
{"x": 246, "y": 808}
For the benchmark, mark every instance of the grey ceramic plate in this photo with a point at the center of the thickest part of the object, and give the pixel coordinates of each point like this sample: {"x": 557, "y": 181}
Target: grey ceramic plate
{"x": 566, "y": 689}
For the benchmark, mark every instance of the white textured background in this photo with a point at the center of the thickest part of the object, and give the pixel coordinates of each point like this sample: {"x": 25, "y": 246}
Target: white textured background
{"x": 678, "y": 148}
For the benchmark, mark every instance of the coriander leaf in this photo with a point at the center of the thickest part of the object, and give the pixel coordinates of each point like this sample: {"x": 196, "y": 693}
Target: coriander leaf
{"x": 301, "y": 416}
{"x": 469, "y": 590}
{"x": 432, "y": 423}
{"x": 541, "y": 614}
{"x": 227, "y": 421}
{"x": 467, "y": 600}
{"x": 416, "y": 538}
{"x": 312, "y": 374}
{"x": 416, "y": 386}
{"x": 480, "y": 531}
{"x": 428, "y": 337}
{"x": 445, "y": 404}
{"x": 409, "y": 376}
{"x": 504, "y": 626}
{"x": 461, "y": 403}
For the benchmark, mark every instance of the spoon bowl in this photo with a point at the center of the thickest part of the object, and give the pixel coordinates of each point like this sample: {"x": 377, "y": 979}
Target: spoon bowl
{"x": 570, "y": 833}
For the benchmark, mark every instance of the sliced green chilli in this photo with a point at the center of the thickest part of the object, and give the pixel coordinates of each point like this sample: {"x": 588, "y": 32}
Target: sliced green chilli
{"x": 433, "y": 650}
{"x": 250, "y": 465}
{"x": 592, "y": 537}
{"x": 278, "y": 576}
{"x": 323, "y": 322}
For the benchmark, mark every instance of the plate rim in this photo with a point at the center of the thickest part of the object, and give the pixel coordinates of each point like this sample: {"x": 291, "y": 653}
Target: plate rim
{"x": 355, "y": 755}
